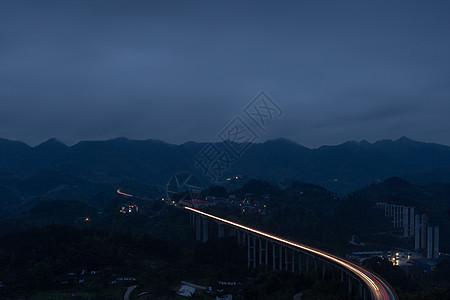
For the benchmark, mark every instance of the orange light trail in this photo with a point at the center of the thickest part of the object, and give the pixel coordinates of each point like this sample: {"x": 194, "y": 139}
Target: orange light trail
{"x": 125, "y": 194}
{"x": 347, "y": 265}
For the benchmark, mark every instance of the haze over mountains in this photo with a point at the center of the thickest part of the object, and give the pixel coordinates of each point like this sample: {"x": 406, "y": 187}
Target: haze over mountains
{"x": 340, "y": 168}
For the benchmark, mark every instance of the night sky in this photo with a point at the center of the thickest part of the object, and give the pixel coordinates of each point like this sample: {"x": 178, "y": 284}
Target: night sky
{"x": 182, "y": 70}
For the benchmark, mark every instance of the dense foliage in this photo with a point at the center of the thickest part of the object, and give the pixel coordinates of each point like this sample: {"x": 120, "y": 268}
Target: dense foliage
{"x": 35, "y": 257}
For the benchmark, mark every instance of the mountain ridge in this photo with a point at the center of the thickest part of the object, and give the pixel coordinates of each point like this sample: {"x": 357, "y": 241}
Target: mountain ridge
{"x": 54, "y": 140}
{"x": 340, "y": 168}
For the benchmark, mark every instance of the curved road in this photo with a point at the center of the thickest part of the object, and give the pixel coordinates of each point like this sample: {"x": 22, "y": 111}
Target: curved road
{"x": 379, "y": 288}
{"x": 128, "y": 292}
{"x": 124, "y": 194}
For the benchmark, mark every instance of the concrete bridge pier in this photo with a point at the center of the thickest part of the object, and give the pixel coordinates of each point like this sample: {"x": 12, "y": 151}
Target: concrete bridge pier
{"x": 293, "y": 261}
{"x": 260, "y": 251}
{"x": 289, "y": 262}
{"x": 349, "y": 286}
{"x": 251, "y": 251}
{"x": 360, "y": 288}
{"x": 205, "y": 230}
{"x": 299, "y": 263}
{"x": 307, "y": 263}
{"x": 198, "y": 228}
{"x": 254, "y": 252}
{"x": 266, "y": 257}
{"x": 232, "y": 232}
{"x": 248, "y": 253}
{"x": 280, "y": 257}
{"x": 220, "y": 230}
{"x": 286, "y": 260}
{"x": 274, "y": 257}
{"x": 323, "y": 270}
{"x": 264, "y": 250}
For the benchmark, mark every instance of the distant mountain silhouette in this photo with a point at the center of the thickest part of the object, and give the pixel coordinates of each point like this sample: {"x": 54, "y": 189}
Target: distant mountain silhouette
{"x": 342, "y": 168}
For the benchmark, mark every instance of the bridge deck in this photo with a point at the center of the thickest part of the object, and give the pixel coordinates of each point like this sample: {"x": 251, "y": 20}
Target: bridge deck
{"x": 377, "y": 286}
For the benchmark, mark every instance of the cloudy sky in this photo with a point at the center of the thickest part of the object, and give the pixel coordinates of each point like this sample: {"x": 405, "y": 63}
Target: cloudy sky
{"x": 182, "y": 70}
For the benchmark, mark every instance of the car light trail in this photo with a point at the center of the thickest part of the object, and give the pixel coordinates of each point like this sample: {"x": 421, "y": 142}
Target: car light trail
{"x": 368, "y": 277}
{"x": 125, "y": 194}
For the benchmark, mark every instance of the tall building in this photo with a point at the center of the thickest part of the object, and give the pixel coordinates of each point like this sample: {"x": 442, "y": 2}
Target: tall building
{"x": 420, "y": 231}
{"x": 415, "y": 223}
{"x": 433, "y": 241}
{"x": 402, "y": 216}
{"x": 408, "y": 221}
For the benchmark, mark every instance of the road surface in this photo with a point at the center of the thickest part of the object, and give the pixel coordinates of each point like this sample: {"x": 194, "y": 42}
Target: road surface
{"x": 124, "y": 194}
{"x": 128, "y": 292}
{"x": 378, "y": 287}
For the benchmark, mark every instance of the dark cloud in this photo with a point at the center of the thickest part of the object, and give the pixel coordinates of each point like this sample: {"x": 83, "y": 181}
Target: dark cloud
{"x": 179, "y": 71}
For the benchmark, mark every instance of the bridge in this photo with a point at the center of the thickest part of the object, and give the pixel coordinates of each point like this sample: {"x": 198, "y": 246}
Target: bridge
{"x": 288, "y": 255}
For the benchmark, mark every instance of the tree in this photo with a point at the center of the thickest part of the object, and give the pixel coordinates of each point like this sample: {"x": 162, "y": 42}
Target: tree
{"x": 40, "y": 275}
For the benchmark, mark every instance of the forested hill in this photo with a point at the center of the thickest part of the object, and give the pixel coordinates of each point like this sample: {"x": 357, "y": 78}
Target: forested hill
{"x": 342, "y": 168}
